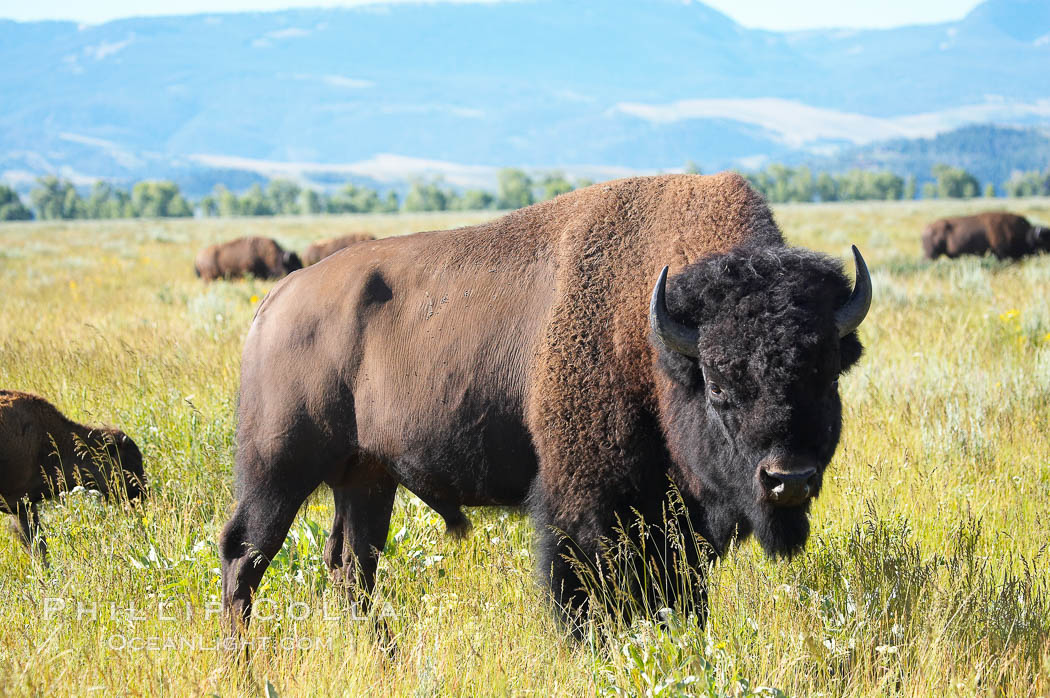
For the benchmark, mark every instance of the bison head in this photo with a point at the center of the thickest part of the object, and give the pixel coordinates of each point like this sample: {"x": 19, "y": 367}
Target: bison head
{"x": 124, "y": 454}
{"x": 291, "y": 262}
{"x": 753, "y": 342}
{"x": 1041, "y": 238}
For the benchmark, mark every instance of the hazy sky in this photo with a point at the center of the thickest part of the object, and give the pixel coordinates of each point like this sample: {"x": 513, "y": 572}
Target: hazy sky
{"x": 765, "y": 14}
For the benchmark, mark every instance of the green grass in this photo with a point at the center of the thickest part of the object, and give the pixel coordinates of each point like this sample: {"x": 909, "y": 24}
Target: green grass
{"x": 927, "y": 572}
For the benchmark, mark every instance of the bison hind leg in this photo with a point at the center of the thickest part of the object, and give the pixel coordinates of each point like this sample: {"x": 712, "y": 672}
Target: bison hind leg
{"x": 364, "y": 502}
{"x": 251, "y": 538}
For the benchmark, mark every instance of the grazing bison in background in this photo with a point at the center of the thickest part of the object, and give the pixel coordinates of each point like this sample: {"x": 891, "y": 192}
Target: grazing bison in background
{"x": 263, "y": 258}
{"x": 1008, "y": 236}
{"x": 520, "y": 362}
{"x": 44, "y": 453}
{"x": 317, "y": 251}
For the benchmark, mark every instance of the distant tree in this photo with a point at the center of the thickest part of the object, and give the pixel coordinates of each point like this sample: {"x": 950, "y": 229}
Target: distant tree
{"x": 955, "y": 182}
{"x": 107, "y": 201}
{"x": 476, "y": 200}
{"x": 584, "y": 182}
{"x": 209, "y": 205}
{"x": 989, "y": 191}
{"x": 929, "y": 190}
{"x": 158, "y": 198}
{"x": 864, "y": 185}
{"x": 691, "y": 167}
{"x": 284, "y": 196}
{"x": 227, "y": 201}
{"x": 909, "y": 188}
{"x": 554, "y": 184}
{"x": 255, "y": 202}
{"x": 1030, "y": 183}
{"x": 55, "y": 198}
{"x": 827, "y": 189}
{"x": 887, "y": 186}
{"x": 11, "y": 206}
{"x": 515, "y": 189}
{"x": 390, "y": 203}
{"x": 354, "y": 199}
{"x": 427, "y": 196}
{"x": 310, "y": 202}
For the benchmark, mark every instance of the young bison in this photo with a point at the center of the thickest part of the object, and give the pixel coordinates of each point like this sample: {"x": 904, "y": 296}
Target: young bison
{"x": 261, "y": 257}
{"x": 317, "y": 251}
{"x": 1008, "y": 236}
{"x": 43, "y": 453}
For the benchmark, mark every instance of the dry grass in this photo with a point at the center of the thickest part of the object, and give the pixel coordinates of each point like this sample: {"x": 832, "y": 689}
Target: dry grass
{"x": 927, "y": 573}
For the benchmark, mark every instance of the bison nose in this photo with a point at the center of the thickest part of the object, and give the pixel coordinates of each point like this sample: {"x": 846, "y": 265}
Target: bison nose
{"x": 787, "y": 488}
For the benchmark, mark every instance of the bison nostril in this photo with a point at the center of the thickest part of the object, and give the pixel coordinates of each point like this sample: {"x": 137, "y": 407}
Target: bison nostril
{"x": 787, "y": 487}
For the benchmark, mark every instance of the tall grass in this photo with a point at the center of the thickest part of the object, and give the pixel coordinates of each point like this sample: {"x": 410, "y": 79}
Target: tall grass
{"x": 927, "y": 572}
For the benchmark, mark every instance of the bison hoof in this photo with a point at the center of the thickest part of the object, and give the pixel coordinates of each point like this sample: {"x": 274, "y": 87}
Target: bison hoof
{"x": 458, "y": 528}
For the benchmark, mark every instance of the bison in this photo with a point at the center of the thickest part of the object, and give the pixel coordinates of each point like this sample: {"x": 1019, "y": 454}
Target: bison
{"x": 521, "y": 362}
{"x": 261, "y": 257}
{"x": 45, "y": 453}
{"x": 1008, "y": 236}
{"x": 317, "y": 251}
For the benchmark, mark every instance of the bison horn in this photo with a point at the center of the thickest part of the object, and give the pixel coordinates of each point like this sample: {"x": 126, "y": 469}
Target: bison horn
{"x": 674, "y": 335}
{"x": 850, "y": 315}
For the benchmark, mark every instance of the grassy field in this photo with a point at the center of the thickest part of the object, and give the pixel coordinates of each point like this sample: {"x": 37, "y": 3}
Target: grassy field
{"x": 928, "y": 572}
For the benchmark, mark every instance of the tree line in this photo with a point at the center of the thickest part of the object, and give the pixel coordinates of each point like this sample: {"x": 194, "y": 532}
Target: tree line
{"x": 55, "y": 198}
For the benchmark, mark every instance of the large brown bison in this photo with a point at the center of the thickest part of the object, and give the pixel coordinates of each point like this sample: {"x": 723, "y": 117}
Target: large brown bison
{"x": 519, "y": 362}
{"x": 43, "y": 453}
{"x": 317, "y": 251}
{"x": 1008, "y": 236}
{"x": 263, "y": 258}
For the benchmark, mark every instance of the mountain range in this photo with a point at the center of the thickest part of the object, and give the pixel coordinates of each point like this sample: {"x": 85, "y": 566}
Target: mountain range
{"x": 381, "y": 92}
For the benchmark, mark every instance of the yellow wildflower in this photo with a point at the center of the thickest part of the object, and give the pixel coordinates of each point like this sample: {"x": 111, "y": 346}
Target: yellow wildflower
{"x": 1009, "y": 315}
{"x": 254, "y": 299}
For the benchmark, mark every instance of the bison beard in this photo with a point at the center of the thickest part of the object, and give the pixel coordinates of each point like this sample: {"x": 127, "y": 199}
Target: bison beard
{"x": 512, "y": 363}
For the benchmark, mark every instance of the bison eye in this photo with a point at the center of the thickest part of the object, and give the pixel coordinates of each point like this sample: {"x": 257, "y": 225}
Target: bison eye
{"x": 716, "y": 392}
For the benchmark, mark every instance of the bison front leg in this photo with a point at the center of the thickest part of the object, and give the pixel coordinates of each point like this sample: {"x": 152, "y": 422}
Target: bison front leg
{"x": 27, "y": 528}
{"x": 562, "y": 565}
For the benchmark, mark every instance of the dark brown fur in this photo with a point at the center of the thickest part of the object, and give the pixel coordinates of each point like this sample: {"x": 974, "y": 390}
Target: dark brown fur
{"x": 505, "y": 363}
{"x": 1008, "y": 236}
{"x": 45, "y": 453}
{"x": 317, "y": 251}
{"x": 263, "y": 258}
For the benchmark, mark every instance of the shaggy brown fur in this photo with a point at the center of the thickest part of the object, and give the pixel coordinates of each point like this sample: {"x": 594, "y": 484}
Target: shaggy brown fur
{"x": 1008, "y": 236}
{"x": 503, "y": 363}
{"x": 260, "y": 257}
{"x": 317, "y": 251}
{"x": 45, "y": 453}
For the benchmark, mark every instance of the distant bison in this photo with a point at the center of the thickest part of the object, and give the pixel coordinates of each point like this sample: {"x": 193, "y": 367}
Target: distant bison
{"x": 531, "y": 361}
{"x": 43, "y": 453}
{"x": 260, "y": 257}
{"x": 323, "y": 248}
{"x": 1008, "y": 236}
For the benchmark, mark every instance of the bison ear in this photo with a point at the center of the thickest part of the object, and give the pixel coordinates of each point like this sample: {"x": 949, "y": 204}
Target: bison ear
{"x": 850, "y": 350}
